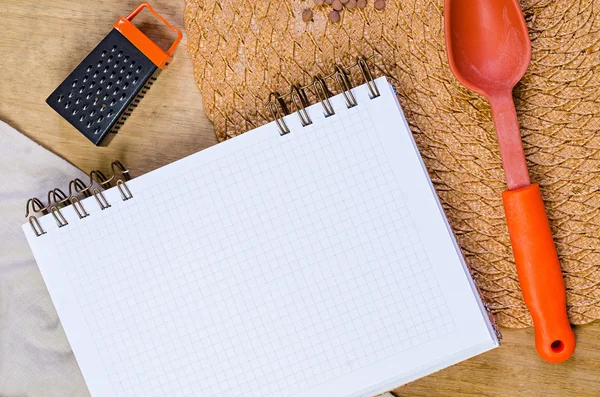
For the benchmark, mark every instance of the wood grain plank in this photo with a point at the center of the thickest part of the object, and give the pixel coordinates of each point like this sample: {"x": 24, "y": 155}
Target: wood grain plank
{"x": 44, "y": 41}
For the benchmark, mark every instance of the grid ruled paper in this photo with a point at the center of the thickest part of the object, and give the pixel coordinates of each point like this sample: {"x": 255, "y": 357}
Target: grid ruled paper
{"x": 268, "y": 265}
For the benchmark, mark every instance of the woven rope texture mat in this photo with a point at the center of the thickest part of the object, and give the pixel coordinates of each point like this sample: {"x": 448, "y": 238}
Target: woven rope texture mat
{"x": 243, "y": 50}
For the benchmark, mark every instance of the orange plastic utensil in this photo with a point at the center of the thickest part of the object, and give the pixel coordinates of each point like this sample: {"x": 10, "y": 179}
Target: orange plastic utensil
{"x": 489, "y": 51}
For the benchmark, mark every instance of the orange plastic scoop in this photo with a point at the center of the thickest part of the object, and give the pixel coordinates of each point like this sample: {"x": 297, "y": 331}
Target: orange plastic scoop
{"x": 489, "y": 50}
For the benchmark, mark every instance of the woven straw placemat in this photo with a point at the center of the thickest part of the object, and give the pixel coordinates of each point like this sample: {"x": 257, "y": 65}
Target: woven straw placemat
{"x": 243, "y": 50}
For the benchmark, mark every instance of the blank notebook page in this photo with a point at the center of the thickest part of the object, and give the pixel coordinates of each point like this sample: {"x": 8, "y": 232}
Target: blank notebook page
{"x": 313, "y": 264}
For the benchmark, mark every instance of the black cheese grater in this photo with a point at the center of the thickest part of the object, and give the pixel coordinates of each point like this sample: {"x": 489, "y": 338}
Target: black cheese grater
{"x": 108, "y": 84}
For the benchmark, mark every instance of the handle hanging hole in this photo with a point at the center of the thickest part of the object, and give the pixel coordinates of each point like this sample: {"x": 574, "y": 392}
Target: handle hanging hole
{"x": 557, "y": 346}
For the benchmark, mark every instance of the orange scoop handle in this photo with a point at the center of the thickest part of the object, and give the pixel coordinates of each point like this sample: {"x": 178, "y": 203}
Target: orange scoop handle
{"x": 539, "y": 272}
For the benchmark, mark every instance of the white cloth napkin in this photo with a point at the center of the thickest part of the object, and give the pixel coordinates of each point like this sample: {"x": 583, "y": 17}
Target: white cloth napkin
{"x": 35, "y": 356}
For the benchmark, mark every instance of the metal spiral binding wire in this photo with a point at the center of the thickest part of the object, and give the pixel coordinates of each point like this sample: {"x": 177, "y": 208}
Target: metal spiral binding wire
{"x": 57, "y": 199}
{"x": 299, "y": 99}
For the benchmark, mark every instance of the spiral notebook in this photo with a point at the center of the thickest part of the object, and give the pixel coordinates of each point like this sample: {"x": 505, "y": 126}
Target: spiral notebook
{"x": 309, "y": 257}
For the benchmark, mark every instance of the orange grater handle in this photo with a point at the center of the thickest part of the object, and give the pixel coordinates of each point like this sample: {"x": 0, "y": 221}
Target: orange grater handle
{"x": 142, "y": 42}
{"x": 539, "y": 272}
{"x": 139, "y": 8}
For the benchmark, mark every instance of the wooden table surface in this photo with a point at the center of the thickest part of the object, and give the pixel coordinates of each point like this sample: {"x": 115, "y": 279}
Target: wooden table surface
{"x": 43, "y": 41}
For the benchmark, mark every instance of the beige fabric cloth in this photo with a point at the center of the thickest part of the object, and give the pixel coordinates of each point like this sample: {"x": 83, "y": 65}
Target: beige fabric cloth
{"x": 243, "y": 50}
{"x": 35, "y": 356}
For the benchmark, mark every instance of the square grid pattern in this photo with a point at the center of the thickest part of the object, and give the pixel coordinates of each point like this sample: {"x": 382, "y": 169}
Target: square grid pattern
{"x": 288, "y": 263}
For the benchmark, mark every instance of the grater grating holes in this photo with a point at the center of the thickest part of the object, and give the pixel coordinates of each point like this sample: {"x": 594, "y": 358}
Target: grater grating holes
{"x": 101, "y": 97}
